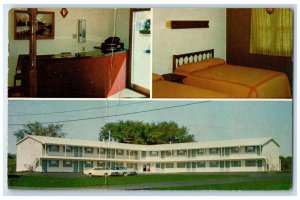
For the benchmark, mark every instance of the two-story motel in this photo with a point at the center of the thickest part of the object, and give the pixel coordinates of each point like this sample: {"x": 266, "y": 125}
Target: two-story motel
{"x": 50, "y": 154}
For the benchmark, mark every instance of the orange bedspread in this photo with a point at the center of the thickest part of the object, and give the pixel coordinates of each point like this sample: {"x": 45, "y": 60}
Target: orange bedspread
{"x": 167, "y": 89}
{"x": 240, "y": 81}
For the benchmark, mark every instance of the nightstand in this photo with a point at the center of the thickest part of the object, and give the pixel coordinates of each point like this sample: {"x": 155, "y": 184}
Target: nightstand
{"x": 174, "y": 77}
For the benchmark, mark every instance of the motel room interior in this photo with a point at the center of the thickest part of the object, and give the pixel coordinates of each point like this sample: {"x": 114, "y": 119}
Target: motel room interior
{"x": 79, "y": 52}
{"x": 222, "y": 53}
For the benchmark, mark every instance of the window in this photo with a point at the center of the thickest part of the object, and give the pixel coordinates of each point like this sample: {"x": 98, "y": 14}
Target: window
{"x": 130, "y": 165}
{"x": 88, "y": 164}
{"x": 169, "y": 165}
{"x": 235, "y": 149}
{"x": 222, "y": 164}
{"x": 271, "y": 34}
{"x": 250, "y": 149}
{"x": 236, "y": 163}
{"x": 181, "y": 152}
{"x": 120, "y": 152}
{"x": 157, "y": 165}
{"x": 67, "y": 163}
{"x": 200, "y": 152}
{"x": 168, "y": 153}
{"x": 188, "y": 165}
{"x": 68, "y": 149}
{"x": 194, "y": 164}
{"x": 213, "y": 164}
{"x": 250, "y": 163}
{"x": 100, "y": 164}
{"x": 258, "y": 150}
{"x": 213, "y": 151}
{"x": 192, "y": 153}
{"x": 227, "y": 164}
{"x": 144, "y": 154}
{"x": 101, "y": 151}
{"x": 162, "y": 165}
{"x": 181, "y": 165}
{"x": 53, "y": 148}
{"x": 227, "y": 151}
{"x": 200, "y": 164}
{"x": 153, "y": 153}
{"x": 259, "y": 163}
{"x": 88, "y": 150}
{"x": 53, "y": 163}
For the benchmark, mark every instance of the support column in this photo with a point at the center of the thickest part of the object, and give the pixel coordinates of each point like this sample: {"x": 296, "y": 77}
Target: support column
{"x": 32, "y": 53}
{"x": 65, "y": 150}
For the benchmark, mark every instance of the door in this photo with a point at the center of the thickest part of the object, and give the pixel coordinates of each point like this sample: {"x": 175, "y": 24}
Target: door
{"x": 44, "y": 165}
{"x": 222, "y": 165}
{"x": 80, "y": 166}
{"x": 75, "y": 151}
{"x": 75, "y": 166}
{"x": 79, "y": 151}
{"x": 138, "y": 73}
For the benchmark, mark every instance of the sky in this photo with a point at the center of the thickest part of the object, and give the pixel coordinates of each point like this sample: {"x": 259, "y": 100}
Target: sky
{"x": 207, "y": 120}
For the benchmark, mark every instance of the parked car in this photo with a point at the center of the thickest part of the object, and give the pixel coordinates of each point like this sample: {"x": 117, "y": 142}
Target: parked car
{"x": 100, "y": 171}
{"x": 124, "y": 171}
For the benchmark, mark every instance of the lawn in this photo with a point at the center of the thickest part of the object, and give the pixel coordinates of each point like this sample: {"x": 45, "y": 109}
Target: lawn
{"x": 274, "y": 184}
{"x": 37, "y": 181}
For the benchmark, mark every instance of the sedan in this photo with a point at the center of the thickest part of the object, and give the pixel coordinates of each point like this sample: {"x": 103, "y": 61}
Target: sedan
{"x": 100, "y": 171}
{"x": 124, "y": 171}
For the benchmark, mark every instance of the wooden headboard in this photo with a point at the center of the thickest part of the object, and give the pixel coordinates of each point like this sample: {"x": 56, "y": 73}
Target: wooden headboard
{"x": 182, "y": 59}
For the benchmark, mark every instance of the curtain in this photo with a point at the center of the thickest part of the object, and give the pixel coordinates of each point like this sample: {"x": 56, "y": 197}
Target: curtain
{"x": 271, "y": 34}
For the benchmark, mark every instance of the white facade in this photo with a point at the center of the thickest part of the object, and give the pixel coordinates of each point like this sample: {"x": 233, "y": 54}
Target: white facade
{"x": 49, "y": 154}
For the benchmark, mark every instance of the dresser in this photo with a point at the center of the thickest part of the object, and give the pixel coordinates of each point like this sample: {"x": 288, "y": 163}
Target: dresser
{"x": 86, "y": 75}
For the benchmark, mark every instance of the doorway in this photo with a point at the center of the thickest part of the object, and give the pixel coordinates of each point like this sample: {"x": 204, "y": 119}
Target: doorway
{"x": 146, "y": 167}
{"x": 138, "y": 73}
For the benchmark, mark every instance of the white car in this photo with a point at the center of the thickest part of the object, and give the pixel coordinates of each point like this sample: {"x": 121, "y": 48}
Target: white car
{"x": 123, "y": 171}
{"x": 100, "y": 171}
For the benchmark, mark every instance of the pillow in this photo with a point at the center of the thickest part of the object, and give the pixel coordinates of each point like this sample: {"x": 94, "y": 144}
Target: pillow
{"x": 156, "y": 77}
{"x": 196, "y": 66}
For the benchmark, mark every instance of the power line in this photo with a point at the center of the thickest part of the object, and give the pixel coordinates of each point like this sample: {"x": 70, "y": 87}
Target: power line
{"x": 124, "y": 114}
{"x": 76, "y": 110}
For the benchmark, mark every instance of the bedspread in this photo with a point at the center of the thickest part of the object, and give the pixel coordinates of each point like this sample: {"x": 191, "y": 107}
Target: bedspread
{"x": 241, "y": 82}
{"x": 167, "y": 89}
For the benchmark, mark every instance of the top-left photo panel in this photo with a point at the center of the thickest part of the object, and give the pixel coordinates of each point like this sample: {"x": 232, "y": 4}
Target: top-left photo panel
{"x": 79, "y": 53}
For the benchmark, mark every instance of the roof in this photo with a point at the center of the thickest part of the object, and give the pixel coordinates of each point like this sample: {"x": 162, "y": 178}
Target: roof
{"x": 158, "y": 147}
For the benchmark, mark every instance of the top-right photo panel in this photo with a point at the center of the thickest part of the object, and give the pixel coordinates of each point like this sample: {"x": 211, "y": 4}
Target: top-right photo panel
{"x": 222, "y": 53}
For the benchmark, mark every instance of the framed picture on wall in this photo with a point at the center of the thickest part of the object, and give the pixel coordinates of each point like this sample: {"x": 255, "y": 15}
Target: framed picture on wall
{"x": 45, "y": 25}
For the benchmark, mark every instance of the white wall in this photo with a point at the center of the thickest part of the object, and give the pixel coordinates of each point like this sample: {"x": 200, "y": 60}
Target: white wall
{"x": 99, "y": 26}
{"x": 167, "y": 42}
{"x": 27, "y": 152}
{"x": 271, "y": 152}
{"x": 140, "y": 70}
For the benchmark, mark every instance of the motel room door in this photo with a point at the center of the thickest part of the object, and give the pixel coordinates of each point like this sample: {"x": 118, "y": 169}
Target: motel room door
{"x": 80, "y": 166}
{"x": 75, "y": 166}
{"x": 44, "y": 165}
{"x": 138, "y": 77}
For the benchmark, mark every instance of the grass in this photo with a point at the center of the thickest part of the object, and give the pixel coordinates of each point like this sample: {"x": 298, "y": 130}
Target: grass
{"x": 274, "y": 184}
{"x": 45, "y": 181}
{"x": 49, "y": 182}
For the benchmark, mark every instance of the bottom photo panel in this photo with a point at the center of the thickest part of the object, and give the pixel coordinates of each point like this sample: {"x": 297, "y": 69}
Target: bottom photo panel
{"x": 150, "y": 145}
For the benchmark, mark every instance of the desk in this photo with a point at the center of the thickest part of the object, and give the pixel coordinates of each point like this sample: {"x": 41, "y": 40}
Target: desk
{"x": 88, "y": 75}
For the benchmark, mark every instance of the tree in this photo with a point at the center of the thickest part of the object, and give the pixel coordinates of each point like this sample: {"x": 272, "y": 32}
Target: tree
{"x": 286, "y": 163}
{"x": 139, "y": 132}
{"x": 37, "y": 128}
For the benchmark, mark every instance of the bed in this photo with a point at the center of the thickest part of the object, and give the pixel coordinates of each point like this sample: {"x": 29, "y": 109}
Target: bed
{"x": 205, "y": 71}
{"x": 166, "y": 89}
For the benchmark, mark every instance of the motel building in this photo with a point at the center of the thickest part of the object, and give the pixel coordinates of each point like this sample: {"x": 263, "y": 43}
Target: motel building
{"x": 50, "y": 154}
